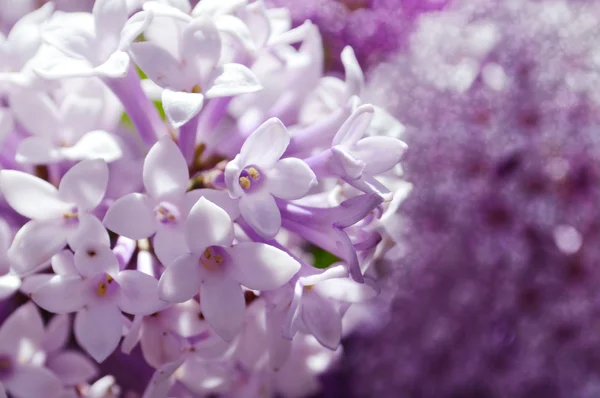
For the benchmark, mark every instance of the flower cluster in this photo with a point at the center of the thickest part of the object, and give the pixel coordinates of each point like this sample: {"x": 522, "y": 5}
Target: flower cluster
{"x": 497, "y": 278}
{"x": 167, "y": 175}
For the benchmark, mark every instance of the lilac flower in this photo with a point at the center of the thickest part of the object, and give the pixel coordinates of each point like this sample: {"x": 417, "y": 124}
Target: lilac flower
{"x": 257, "y": 175}
{"x": 217, "y": 268}
{"x": 58, "y": 216}
{"x": 91, "y": 284}
{"x": 191, "y": 75}
{"x": 8, "y": 283}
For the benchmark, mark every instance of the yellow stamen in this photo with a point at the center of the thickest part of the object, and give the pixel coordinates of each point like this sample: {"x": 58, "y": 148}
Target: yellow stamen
{"x": 208, "y": 253}
{"x": 196, "y": 89}
{"x": 4, "y": 364}
{"x": 308, "y": 287}
{"x": 245, "y": 182}
{"x": 102, "y": 289}
{"x": 253, "y": 173}
{"x": 69, "y": 215}
{"x": 218, "y": 258}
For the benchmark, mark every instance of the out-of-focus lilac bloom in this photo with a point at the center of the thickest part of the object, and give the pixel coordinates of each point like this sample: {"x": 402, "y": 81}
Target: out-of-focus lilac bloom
{"x": 8, "y": 283}
{"x": 258, "y": 175}
{"x": 58, "y": 216}
{"x": 217, "y": 268}
{"x": 91, "y": 284}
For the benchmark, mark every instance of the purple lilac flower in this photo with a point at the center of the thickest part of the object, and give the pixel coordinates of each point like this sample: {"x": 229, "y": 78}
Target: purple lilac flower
{"x": 496, "y": 278}
{"x": 175, "y": 216}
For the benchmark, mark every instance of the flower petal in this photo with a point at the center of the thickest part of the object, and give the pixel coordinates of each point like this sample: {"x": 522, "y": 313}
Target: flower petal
{"x": 138, "y": 293}
{"x": 109, "y": 18}
{"x": 89, "y": 229}
{"x": 98, "y": 329}
{"x": 32, "y": 282}
{"x": 290, "y": 178}
{"x": 134, "y": 27}
{"x": 93, "y": 258}
{"x": 33, "y": 381}
{"x": 37, "y": 150}
{"x": 232, "y": 79}
{"x": 279, "y": 347}
{"x": 35, "y": 244}
{"x": 181, "y": 280}
{"x": 380, "y": 154}
{"x": 158, "y": 64}
{"x": 261, "y": 212}
{"x": 30, "y": 196}
{"x": 322, "y": 319}
{"x": 168, "y": 244}
{"x": 165, "y": 171}
{"x": 131, "y": 216}
{"x": 58, "y": 331}
{"x": 72, "y": 367}
{"x": 116, "y": 66}
{"x": 201, "y": 49}
{"x": 265, "y": 146}
{"x": 220, "y": 198}
{"x": 207, "y": 225}
{"x": 346, "y": 289}
{"x": 62, "y": 294}
{"x": 65, "y": 68}
{"x": 9, "y": 284}
{"x": 46, "y": 123}
{"x": 355, "y": 80}
{"x": 180, "y": 107}
{"x": 223, "y": 305}
{"x": 84, "y": 184}
{"x": 355, "y": 126}
{"x": 97, "y": 144}
{"x": 25, "y": 324}
{"x": 260, "y": 266}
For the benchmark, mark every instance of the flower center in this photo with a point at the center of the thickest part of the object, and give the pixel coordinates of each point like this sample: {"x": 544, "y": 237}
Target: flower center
{"x": 251, "y": 178}
{"x": 105, "y": 286}
{"x": 71, "y": 216}
{"x": 6, "y": 366}
{"x": 213, "y": 258}
{"x": 166, "y": 213}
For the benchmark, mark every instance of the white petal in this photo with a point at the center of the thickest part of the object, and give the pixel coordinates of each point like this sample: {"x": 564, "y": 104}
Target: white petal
{"x": 9, "y": 284}
{"x": 222, "y": 302}
{"x": 109, "y": 18}
{"x": 72, "y": 367}
{"x": 165, "y": 171}
{"x": 58, "y": 331}
{"x": 62, "y": 294}
{"x": 265, "y": 146}
{"x": 33, "y": 381}
{"x": 131, "y": 216}
{"x": 89, "y": 229}
{"x": 355, "y": 79}
{"x": 345, "y": 289}
{"x": 260, "y": 266}
{"x": 158, "y": 64}
{"x": 93, "y": 258}
{"x": 32, "y": 282}
{"x": 30, "y": 196}
{"x": 323, "y": 320}
{"x": 355, "y": 126}
{"x": 35, "y": 244}
{"x": 261, "y": 212}
{"x": 116, "y": 66}
{"x": 181, "y": 280}
{"x": 169, "y": 243}
{"x": 201, "y": 49}
{"x": 138, "y": 293}
{"x": 98, "y": 144}
{"x": 65, "y": 68}
{"x": 180, "y": 107}
{"x": 207, "y": 225}
{"x": 98, "y": 329}
{"x": 24, "y": 325}
{"x": 46, "y": 123}
{"x": 84, "y": 184}
{"x": 232, "y": 79}
{"x": 220, "y": 198}
{"x": 217, "y": 7}
{"x": 290, "y": 179}
{"x": 134, "y": 27}
{"x": 380, "y": 154}
{"x": 37, "y": 150}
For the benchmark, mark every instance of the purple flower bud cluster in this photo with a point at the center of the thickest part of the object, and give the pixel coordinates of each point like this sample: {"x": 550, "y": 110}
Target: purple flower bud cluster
{"x": 374, "y": 28}
{"x": 497, "y": 278}
{"x": 170, "y": 175}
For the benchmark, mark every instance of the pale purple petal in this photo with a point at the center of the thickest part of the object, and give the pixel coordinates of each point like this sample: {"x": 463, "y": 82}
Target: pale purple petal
{"x": 278, "y": 347}
{"x": 232, "y": 79}
{"x": 158, "y": 64}
{"x": 223, "y": 305}
{"x": 65, "y": 68}
{"x": 380, "y": 154}
{"x": 109, "y": 18}
{"x": 35, "y": 244}
{"x": 30, "y": 196}
{"x": 97, "y": 144}
{"x": 133, "y": 335}
{"x": 93, "y": 258}
{"x": 220, "y": 198}
{"x": 24, "y": 324}
{"x": 207, "y": 225}
{"x": 89, "y": 229}
{"x": 72, "y": 368}
{"x": 75, "y": 41}
{"x": 37, "y": 150}
{"x": 9, "y": 284}
{"x": 355, "y": 79}
{"x": 63, "y": 263}
{"x": 62, "y": 294}
{"x": 33, "y": 381}
{"x": 138, "y": 293}
{"x": 131, "y": 216}
{"x": 260, "y": 266}
{"x": 169, "y": 243}
{"x": 116, "y": 66}
{"x": 345, "y": 289}
{"x": 98, "y": 329}
{"x": 261, "y": 212}
{"x": 162, "y": 380}
{"x": 159, "y": 346}
{"x": 57, "y": 334}
{"x": 46, "y": 124}
{"x": 180, "y": 107}
{"x": 355, "y": 126}
{"x": 165, "y": 171}
{"x": 181, "y": 280}
{"x": 323, "y": 320}
{"x": 32, "y": 282}
{"x": 266, "y": 145}
{"x": 183, "y": 318}
{"x": 134, "y": 27}
{"x": 290, "y": 179}
{"x": 201, "y": 48}
{"x": 2, "y": 392}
